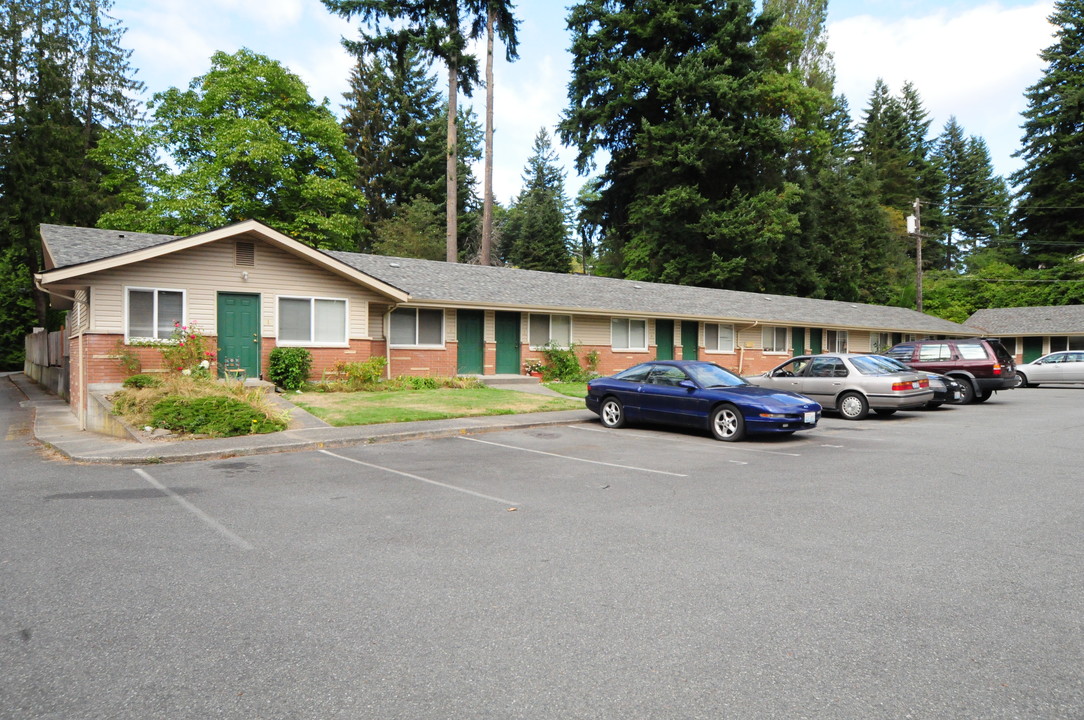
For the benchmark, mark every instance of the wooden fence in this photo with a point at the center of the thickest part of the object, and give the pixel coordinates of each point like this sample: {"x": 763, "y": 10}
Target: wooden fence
{"x": 47, "y": 360}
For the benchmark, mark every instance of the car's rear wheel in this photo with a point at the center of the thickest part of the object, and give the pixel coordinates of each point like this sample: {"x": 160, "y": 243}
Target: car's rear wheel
{"x": 967, "y": 391}
{"x": 727, "y": 424}
{"x": 1021, "y": 380}
{"x": 853, "y": 406}
{"x": 983, "y": 396}
{"x": 612, "y": 413}
{"x": 885, "y": 412}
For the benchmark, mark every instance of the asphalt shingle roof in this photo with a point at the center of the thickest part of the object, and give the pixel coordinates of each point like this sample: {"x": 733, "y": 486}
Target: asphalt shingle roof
{"x": 1044, "y": 320}
{"x": 452, "y": 283}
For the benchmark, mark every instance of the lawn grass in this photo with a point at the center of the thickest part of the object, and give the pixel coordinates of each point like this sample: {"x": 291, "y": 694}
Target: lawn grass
{"x": 572, "y": 389}
{"x": 368, "y": 408}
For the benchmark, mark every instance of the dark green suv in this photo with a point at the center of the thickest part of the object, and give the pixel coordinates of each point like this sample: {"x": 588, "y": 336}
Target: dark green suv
{"x": 982, "y": 366}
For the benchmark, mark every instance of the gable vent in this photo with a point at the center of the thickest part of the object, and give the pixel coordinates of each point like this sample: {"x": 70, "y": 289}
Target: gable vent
{"x": 245, "y": 253}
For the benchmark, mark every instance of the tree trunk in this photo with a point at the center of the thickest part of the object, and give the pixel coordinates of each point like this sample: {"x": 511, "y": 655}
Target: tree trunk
{"x": 451, "y": 175}
{"x": 487, "y": 182}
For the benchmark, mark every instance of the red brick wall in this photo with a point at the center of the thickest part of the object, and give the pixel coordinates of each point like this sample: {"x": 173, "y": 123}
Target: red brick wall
{"x": 325, "y": 359}
{"x": 416, "y": 361}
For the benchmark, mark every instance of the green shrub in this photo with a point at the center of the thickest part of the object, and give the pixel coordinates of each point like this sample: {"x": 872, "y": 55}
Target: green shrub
{"x": 213, "y": 415}
{"x": 368, "y": 372}
{"x": 289, "y": 367}
{"x": 142, "y": 381}
{"x": 562, "y": 365}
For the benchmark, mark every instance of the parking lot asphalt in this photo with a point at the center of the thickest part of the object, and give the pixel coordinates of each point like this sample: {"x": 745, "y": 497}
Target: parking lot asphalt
{"x": 924, "y": 565}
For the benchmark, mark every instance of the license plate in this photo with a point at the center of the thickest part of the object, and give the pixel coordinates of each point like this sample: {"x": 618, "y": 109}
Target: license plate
{"x": 956, "y": 396}
{"x": 810, "y": 418}
{"x": 915, "y": 385}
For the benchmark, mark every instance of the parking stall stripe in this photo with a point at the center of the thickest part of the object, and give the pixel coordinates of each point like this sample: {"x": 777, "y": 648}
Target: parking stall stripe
{"x": 215, "y": 525}
{"x": 419, "y": 478}
{"x": 570, "y": 457}
{"x": 716, "y": 445}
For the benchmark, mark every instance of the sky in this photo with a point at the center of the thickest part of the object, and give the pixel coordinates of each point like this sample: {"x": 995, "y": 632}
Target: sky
{"x": 972, "y": 59}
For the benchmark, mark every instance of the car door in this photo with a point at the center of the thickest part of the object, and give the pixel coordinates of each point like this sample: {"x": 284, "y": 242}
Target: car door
{"x": 1047, "y": 369}
{"x": 787, "y": 376}
{"x": 627, "y": 386}
{"x": 665, "y": 400}
{"x": 1074, "y": 367}
{"x": 823, "y": 380}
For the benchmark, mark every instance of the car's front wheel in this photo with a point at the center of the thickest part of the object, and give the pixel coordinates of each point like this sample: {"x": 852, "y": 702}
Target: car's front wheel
{"x": 727, "y": 424}
{"x": 853, "y": 406}
{"x": 967, "y": 391}
{"x": 612, "y": 413}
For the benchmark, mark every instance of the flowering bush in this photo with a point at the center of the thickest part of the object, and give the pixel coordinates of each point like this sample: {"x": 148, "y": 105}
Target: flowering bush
{"x": 186, "y": 352}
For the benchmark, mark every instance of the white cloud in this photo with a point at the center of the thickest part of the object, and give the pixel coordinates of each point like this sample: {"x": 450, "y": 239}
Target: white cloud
{"x": 975, "y": 65}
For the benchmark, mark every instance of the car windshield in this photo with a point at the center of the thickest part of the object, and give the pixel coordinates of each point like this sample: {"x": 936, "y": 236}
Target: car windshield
{"x": 709, "y": 375}
{"x": 891, "y": 362}
{"x": 873, "y": 365}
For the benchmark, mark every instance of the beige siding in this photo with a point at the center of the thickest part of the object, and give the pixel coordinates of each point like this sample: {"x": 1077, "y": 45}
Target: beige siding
{"x": 376, "y": 320}
{"x": 749, "y": 337}
{"x": 858, "y": 341}
{"x": 590, "y": 330}
{"x": 204, "y": 271}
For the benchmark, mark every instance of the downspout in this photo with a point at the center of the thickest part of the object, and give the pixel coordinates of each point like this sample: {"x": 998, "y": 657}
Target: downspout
{"x": 741, "y": 346}
{"x": 387, "y": 339}
{"x": 84, "y": 395}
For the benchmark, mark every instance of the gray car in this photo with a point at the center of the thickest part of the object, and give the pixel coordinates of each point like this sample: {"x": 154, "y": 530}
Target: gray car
{"x": 850, "y": 383}
{"x": 1057, "y": 367}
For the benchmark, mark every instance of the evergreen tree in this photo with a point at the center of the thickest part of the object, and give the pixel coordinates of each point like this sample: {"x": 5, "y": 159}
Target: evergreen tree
{"x": 536, "y": 230}
{"x": 414, "y": 230}
{"x": 442, "y": 29}
{"x": 975, "y": 201}
{"x": 698, "y": 107}
{"x": 1050, "y": 196}
{"x": 392, "y": 126}
{"x": 64, "y": 79}
{"x": 246, "y": 140}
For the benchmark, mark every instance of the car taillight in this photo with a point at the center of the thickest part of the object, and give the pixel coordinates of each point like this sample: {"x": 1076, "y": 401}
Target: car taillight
{"x": 997, "y": 369}
{"x": 924, "y": 383}
{"x": 903, "y": 386}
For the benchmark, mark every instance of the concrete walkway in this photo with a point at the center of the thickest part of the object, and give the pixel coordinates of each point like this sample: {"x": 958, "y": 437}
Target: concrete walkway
{"x": 57, "y": 427}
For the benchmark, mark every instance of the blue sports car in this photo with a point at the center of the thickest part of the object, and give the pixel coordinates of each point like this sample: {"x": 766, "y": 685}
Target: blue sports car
{"x": 698, "y": 394}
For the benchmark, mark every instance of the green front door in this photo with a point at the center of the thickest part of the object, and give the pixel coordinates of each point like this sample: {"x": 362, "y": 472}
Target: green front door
{"x": 1033, "y": 348}
{"x": 815, "y": 335}
{"x": 469, "y": 325}
{"x": 664, "y": 339}
{"x": 690, "y": 340}
{"x": 506, "y": 333}
{"x": 797, "y": 341}
{"x": 239, "y": 334}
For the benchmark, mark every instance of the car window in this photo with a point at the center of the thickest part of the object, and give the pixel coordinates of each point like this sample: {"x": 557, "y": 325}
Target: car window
{"x": 636, "y": 373}
{"x": 711, "y": 375}
{"x": 791, "y": 369}
{"x": 827, "y": 367}
{"x": 876, "y": 365}
{"x": 934, "y": 352}
{"x": 666, "y": 375}
{"x": 971, "y": 351}
{"x": 1076, "y": 357}
{"x": 901, "y": 352}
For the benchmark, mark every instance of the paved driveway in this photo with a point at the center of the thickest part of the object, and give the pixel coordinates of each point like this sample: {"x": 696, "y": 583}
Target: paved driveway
{"x": 927, "y": 565}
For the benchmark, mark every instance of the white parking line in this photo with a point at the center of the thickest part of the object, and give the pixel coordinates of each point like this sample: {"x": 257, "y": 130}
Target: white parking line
{"x": 675, "y": 439}
{"x": 419, "y": 478}
{"x": 215, "y": 525}
{"x": 570, "y": 457}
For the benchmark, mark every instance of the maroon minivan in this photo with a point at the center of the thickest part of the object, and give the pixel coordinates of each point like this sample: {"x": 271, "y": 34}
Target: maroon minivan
{"x": 982, "y": 366}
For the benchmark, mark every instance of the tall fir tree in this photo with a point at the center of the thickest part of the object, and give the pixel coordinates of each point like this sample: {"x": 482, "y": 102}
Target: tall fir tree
{"x": 697, "y": 106}
{"x": 535, "y": 234}
{"x": 64, "y": 80}
{"x": 1050, "y": 195}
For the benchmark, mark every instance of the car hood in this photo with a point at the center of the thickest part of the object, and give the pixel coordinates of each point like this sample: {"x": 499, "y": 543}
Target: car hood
{"x": 785, "y": 398}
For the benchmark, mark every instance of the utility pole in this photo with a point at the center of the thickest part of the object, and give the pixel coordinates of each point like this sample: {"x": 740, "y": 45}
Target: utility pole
{"x": 918, "y": 254}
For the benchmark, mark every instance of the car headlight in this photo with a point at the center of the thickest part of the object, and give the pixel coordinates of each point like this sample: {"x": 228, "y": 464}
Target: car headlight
{"x": 774, "y": 416}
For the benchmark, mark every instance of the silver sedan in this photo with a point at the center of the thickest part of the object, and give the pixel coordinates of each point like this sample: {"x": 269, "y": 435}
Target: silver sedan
{"x": 1057, "y": 367}
{"x": 850, "y": 383}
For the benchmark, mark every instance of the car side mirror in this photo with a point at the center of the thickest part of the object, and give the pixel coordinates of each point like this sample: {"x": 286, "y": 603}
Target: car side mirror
{"x": 687, "y": 384}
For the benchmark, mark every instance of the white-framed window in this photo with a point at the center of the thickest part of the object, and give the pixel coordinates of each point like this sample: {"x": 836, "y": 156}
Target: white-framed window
{"x": 543, "y": 330}
{"x": 837, "y": 341}
{"x": 628, "y": 334}
{"x": 774, "y": 338}
{"x": 152, "y": 313}
{"x": 718, "y": 338}
{"x": 311, "y": 321}
{"x": 879, "y": 342}
{"x": 417, "y": 327}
